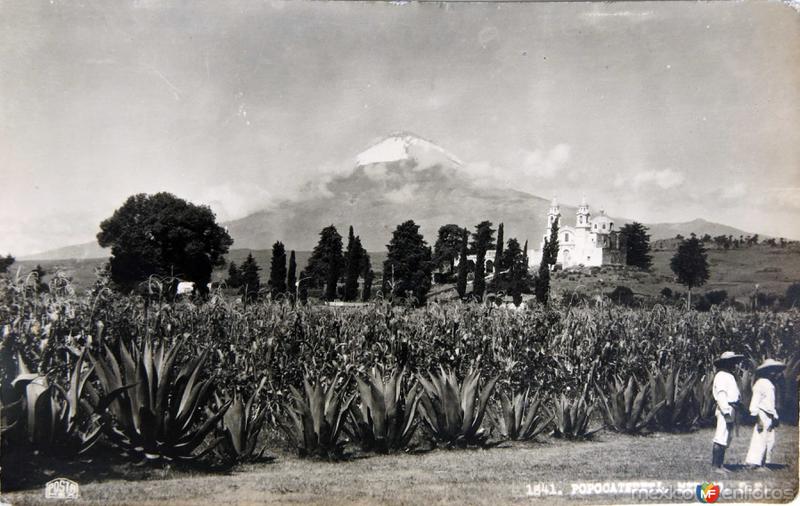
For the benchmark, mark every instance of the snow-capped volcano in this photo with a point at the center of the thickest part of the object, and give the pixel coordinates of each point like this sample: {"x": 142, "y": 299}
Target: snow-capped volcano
{"x": 404, "y": 146}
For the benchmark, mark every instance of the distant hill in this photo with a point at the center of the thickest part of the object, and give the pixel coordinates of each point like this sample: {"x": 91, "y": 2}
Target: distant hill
{"x": 76, "y": 251}
{"x": 697, "y": 226}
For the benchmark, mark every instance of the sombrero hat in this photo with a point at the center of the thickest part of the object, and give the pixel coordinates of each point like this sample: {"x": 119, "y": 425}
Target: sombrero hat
{"x": 728, "y": 356}
{"x": 769, "y": 364}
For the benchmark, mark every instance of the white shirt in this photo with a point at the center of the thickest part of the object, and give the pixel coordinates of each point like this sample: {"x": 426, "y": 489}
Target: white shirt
{"x": 763, "y": 398}
{"x": 725, "y": 391}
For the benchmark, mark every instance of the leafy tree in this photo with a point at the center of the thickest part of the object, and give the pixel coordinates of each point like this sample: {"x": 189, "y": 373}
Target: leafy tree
{"x": 498, "y": 253}
{"x": 234, "y": 276}
{"x": 463, "y": 265}
{"x": 291, "y": 276}
{"x": 448, "y": 245}
{"x": 410, "y": 262}
{"x": 326, "y": 262}
{"x": 690, "y": 265}
{"x": 482, "y": 241}
{"x": 637, "y": 245}
{"x": 251, "y": 282}
{"x": 163, "y": 235}
{"x": 277, "y": 270}
{"x": 5, "y": 262}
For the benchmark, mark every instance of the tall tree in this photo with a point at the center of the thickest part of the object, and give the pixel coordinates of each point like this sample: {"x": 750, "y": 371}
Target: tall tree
{"x": 234, "y": 276}
{"x": 163, "y": 235}
{"x": 291, "y": 276}
{"x": 482, "y": 241}
{"x": 525, "y": 253}
{"x": 637, "y": 245}
{"x": 277, "y": 270}
{"x": 498, "y": 254}
{"x": 353, "y": 266}
{"x": 448, "y": 246}
{"x": 551, "y": 245}
{"x": 5, "y": 262}
{"x": 325, "y": 265}
{"x": 542, "y": 284}
{"x": 410, "y": 260}
{"x": 251, "y": 281}
{"x": 690, "y": 265}
{"x": 366, "y": 291}
{"x": 463, "y": 265}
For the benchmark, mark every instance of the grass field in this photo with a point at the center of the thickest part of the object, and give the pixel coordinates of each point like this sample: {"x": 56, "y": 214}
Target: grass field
{"x": 495, "y": 476}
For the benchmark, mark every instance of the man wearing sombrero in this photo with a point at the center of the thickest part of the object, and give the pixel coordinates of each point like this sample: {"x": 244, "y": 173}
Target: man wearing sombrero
{"x": 762, "y": 406}
{"x": 726, "y": 395}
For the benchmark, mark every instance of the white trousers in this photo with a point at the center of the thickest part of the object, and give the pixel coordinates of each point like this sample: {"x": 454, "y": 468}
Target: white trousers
{"x": 761, "y": 444}
{"x": 722, "y": 436}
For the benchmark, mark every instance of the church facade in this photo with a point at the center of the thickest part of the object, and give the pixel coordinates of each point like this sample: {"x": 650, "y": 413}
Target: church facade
{"x": 592, "y": 241}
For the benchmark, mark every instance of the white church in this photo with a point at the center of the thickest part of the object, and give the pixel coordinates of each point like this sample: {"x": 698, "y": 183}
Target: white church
{"x": 592, "y": 241}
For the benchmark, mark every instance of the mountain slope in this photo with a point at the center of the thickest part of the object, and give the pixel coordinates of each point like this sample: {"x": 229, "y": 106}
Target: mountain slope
{"x": 402, "y": 177}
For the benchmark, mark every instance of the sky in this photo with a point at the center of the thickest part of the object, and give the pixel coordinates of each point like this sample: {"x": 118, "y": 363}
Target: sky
{"x": 661, "y": 112}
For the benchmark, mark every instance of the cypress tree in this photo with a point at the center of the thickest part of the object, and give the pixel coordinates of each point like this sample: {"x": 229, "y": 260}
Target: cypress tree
{"x": 498, "y": 254}
{"x": 251, "y": 283}
{"x": 352, "y": 266}
{"x": 463, "y": 267}
{"x": 234, "y": 276}
{"x": 543, "y": 279}
{"x": 483, "y": 240}
{"x": 325, "y": 264}
{"x": 291, "y": 276}
{"x": 277, "y": 270}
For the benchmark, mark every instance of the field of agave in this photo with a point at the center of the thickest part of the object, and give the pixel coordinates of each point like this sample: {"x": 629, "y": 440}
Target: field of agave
{"x": 212, "y": 382}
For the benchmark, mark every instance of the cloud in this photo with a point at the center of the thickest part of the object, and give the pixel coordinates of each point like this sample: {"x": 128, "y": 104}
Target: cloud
{"x": 733, "y": 192}
{"x": 664, "y": 179}
{"x": 548, "y": 163}
{"x": 403, "y": 194}
{"x": 230, "y": 201}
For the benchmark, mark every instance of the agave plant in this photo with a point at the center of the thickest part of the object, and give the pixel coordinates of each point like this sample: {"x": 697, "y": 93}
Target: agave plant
{"x": 521, "y": 416}
{"x": 241, "y": 426}
{"x": 160, "y": 417}
{"x": 625, "y": 406}
{"x": 703, "y": 404}
{"x": 571, "y": 418}
{"x": 318, "y": 416}
{"x": 453, "y": 411}
{"x": 63, "y": 422}
{"x": 674, "y": 397}
{"x": 385, "y": 418}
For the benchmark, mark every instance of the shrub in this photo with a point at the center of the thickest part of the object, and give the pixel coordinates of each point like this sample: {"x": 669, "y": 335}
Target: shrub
{"x": 521, "y": 416}
{"x": 318, "y": 416}
{"x": 622, "y": 295}
{"x": 571, "y": 418}
{"x": 241, "y": 426}
{"x": 674, "y": 396}
{"x": 703, "y": 404}
{"x": 716, "y": 297}
{"x": 453, "y": 411}
{"x": 385, "y": 418}
{"x": 792, "y": 296}
{"x": 159, "y": 418}
{"x": 626, "y": 407}
{"x": 62, "y": 422}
